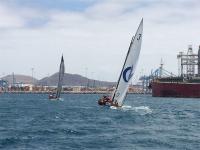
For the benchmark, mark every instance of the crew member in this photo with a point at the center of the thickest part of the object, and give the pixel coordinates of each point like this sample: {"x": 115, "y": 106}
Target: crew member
{"x": 106, "y": 100}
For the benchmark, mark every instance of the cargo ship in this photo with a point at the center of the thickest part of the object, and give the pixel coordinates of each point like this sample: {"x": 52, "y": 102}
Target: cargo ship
{"x": 186, "y": 84}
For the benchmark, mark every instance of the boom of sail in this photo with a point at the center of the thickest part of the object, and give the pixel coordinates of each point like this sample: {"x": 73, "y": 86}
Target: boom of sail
{"x": 129, "y": 67}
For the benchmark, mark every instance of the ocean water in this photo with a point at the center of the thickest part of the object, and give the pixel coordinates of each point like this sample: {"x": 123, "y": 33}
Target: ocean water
{"x": 32, "y": 122}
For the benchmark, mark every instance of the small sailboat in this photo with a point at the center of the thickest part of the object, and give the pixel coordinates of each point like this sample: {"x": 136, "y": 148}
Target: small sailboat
{"x": 130, "y": 63}
{"x": 56, "y": 96}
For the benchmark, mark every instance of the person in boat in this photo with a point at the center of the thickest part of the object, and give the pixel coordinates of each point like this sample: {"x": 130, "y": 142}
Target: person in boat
{"x": 52, "y": 95}
{"x": 107, "y": 101}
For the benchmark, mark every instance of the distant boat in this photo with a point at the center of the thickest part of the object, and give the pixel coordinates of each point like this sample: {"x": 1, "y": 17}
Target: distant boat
{"x": 130, "y": 63}
{"x": 56, "y": 96}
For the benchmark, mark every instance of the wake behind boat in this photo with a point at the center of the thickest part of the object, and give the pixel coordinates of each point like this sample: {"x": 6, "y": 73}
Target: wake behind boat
{"x": 119, "y": 94}
{"x": 56, "y": 96}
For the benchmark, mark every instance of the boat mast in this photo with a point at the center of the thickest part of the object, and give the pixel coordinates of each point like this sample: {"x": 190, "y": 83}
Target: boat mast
{"x": 122, "y": 68}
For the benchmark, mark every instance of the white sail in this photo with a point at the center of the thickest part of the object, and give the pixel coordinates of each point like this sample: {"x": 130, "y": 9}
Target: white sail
{"x": 60, "y": 80}
{"x": 128, "y": 67}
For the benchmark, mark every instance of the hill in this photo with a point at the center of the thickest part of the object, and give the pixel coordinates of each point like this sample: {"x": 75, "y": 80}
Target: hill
{"x": 69, "y": 80}
{"x": 20, "y": 79}
{"x": 73, "y": 80}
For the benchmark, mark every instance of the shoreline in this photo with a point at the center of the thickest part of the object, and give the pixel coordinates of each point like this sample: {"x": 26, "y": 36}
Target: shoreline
{"x": 46, "y": 92}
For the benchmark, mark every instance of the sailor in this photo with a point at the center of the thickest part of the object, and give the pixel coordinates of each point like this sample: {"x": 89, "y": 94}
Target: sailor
{"x": 52, "y": 95}
{"x": 107, "y": 101}
{"x": 103, "y": 100}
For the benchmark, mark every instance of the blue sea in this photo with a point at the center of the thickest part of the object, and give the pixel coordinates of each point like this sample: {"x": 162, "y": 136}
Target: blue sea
{"x": 32, "y": 122}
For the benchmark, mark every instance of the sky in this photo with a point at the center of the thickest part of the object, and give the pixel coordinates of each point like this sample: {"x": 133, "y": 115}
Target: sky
{"x": 94, "y": 35}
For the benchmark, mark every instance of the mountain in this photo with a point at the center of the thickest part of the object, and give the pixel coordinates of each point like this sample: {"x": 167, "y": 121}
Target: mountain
{"x": 68, "y": 80}
{"x": 19, "y": 79}
{"x": 74, "y": 80}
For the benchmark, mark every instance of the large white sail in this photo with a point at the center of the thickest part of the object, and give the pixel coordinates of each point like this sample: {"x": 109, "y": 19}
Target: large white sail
{"x": 128, "y": 67}
{"x": 60, "y": 80}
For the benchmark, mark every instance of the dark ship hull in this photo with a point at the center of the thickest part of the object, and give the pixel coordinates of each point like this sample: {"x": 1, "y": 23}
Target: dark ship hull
{"x": 179, "y": 89}
{"x": 165, "y": 84}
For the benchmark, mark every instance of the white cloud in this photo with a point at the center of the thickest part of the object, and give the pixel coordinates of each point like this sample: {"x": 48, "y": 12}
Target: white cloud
{"x": 97, "y": 38}
{"x": 8, "y": 18}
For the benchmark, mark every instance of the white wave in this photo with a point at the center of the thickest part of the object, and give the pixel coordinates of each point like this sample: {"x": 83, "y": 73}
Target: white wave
{"x": 142, "y": 110}
{"x": 57, "y": 99}
{"x": 113, "y": 107}
{"x": 61, "y": 99}
{"x": 126, "y": 107}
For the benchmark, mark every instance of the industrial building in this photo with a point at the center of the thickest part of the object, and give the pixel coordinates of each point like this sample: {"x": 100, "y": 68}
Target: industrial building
{"x": 186, "y": 84}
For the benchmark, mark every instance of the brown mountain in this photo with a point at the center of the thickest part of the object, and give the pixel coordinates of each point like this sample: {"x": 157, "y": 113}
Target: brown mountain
{"x": 69, "y": 80}
{"x": 73, "y": 80}
{"x": 19, "y": 79}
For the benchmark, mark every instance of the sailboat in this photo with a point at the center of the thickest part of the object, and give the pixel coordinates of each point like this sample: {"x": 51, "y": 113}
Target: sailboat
{"x": 56, "y": 96}
{"x": 128, "y": 69}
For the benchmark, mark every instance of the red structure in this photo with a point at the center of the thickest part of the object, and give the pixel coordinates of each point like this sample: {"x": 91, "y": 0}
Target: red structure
{"x": 187, "y": 84}
{"x": 167, "y": 89}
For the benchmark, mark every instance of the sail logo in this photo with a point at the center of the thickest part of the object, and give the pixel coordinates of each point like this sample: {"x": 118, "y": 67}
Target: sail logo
{"x": 139, "y": 37}
{"x": 127, "y": 73}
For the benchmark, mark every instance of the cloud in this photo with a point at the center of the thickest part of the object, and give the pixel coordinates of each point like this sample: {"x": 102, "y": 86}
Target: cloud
{"x": 8, "y": 18}
{"x": 96, "y": 36}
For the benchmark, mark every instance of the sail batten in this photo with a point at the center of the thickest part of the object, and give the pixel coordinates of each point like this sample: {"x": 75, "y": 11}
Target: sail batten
{"x": 129, "y": 66}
